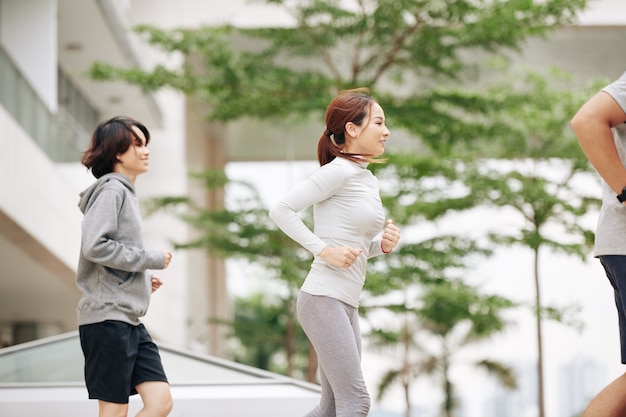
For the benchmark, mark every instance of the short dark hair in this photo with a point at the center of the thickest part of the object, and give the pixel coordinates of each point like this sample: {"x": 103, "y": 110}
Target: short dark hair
{"x": 111, "y": 138}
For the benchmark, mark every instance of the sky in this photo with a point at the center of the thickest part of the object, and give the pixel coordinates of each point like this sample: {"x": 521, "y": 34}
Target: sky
{"x": 564, "y": 281}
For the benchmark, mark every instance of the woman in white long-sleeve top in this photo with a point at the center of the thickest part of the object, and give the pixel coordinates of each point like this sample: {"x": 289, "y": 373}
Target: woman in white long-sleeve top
{"x": 348, "y": 221}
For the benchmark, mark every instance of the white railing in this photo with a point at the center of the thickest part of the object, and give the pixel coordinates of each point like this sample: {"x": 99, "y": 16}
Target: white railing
{"x": 61, "y": 135}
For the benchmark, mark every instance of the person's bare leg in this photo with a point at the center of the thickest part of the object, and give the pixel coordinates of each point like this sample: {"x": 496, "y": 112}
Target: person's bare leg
{"x": 107, "y": 409}
{"x": 610, "y": 402}
{"x": 156, "y": 397}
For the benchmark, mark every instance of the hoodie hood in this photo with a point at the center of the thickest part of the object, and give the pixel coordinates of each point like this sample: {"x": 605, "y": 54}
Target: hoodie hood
{"x": 88, "y": 196}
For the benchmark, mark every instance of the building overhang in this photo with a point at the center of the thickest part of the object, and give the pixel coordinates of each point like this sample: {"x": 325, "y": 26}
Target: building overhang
{"x": 96, "y": 30}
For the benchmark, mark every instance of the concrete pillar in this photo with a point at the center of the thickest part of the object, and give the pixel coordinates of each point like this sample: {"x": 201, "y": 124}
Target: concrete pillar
{"x": 208, "y": 293}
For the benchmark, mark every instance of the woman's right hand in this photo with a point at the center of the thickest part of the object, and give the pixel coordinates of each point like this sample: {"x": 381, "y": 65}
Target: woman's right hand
{"x": 168, "y": 258}
{"x": 341, "y": 257}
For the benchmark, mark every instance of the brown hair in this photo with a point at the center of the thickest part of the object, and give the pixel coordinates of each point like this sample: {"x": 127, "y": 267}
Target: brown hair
{"x": 111, "y": 138}
{"x": 349, "y": 106}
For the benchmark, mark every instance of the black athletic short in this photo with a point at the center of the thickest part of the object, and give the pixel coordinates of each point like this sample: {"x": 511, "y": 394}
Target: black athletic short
{"x": 118, "y": 357}
{"x": 615, "y": 268}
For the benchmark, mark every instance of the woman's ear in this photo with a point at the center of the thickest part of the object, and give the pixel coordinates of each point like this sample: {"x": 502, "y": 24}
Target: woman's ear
{"x": 351, "y": 129}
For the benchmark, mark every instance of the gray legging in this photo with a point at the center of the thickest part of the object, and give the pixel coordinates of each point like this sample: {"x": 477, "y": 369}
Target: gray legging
{"x": 333, "y": 328}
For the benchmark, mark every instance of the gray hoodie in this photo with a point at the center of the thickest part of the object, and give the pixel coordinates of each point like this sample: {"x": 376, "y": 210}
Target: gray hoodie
{"x": 113, "y": 262}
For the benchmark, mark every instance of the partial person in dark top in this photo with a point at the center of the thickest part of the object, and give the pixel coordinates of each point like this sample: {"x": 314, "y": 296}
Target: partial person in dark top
{"x": 601, "y": 132}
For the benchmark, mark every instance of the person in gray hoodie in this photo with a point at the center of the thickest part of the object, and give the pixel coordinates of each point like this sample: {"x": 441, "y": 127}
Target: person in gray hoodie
{"x": 120, "y": 357}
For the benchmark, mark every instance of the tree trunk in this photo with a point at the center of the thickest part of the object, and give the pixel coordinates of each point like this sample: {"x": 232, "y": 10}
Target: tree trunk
{"x": 448, "y": 406}
{"x": 540, "y": 388}
{"x": 289, "y": 338}
{"x": 407, "y": 399}
{"x": 311, "y": 370}
{"x": 406, "y": 380}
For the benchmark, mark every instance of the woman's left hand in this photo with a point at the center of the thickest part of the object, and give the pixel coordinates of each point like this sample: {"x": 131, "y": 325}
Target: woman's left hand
{"x": 390, "y": 238}
{"x": 156, "y": 283}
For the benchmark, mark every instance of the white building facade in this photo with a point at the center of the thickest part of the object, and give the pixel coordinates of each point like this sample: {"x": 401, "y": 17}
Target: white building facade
{"x": 48, "y": 109}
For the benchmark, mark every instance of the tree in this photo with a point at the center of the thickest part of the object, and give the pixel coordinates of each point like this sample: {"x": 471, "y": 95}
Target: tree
{"x": 544, "y": 186}
{"x": 434, "y": 314}
{"x": 540, "y": 176}
{"x": 263, "y": 327}
{"x": 448, "y": 317}
{"x": 244, "y": 230}
{"x": 401, "y": 49}
{"x": 420, "y": 289}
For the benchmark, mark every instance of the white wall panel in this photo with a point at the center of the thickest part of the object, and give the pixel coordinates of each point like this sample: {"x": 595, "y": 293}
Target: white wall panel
{"x": 28, "y": 32}
{"x": 35, "y": 195}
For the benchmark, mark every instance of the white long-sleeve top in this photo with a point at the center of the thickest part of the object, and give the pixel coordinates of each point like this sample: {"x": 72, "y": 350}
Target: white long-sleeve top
{"x": 347, "y": 211}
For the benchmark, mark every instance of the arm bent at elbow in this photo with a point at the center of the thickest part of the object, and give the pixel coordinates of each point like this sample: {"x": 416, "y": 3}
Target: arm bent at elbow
{"x": 592, "y": 125}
